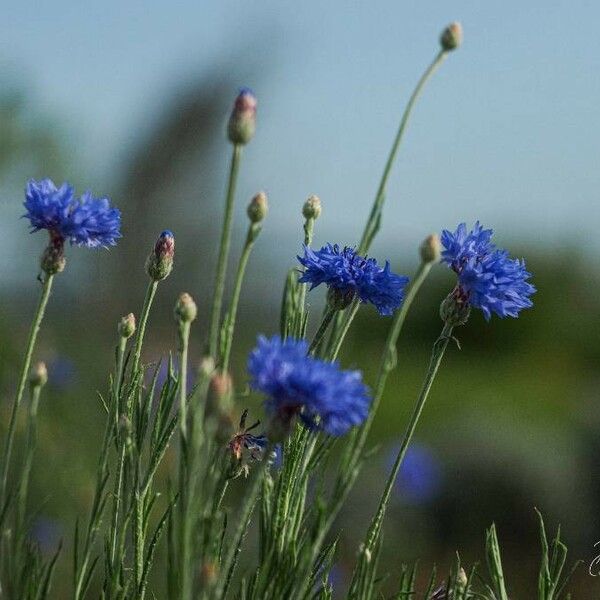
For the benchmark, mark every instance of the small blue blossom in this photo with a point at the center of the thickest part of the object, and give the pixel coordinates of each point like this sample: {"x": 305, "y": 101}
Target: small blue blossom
{"x": 85, "y": 221}
{"x": 488, "y": 278}
{"x": 349, "y": 273}
{"x": 318, "y": 392}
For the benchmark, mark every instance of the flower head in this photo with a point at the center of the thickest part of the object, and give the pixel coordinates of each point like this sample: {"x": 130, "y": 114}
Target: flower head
{"x": 318, "y": 392}
{"x": 345, "y": 271}
{"x": 488, "y": 278}
{"x": 85, "y": 221}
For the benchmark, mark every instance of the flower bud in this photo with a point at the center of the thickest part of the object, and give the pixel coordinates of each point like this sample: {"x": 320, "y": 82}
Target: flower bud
{"x": 312, "y": 207}
{"x": 242, "y": 122}
{"x": 185, "y": 308}
{"x": 126, "y": 326}
{"x": 455, "y": 309}
{"x": 431, "y": 249}
{"x": 39, "y": 375}
{"x": 219, "y": 392}
{"x": 339, "y": 299}
{"x": 53, "y": 258}
{"x": 258, "y": 208}
{"x": 451, "y": 37}
{"x": 207, "y": 366}
{"x": 160, "y": 260}
{"x": 461, "y": 579}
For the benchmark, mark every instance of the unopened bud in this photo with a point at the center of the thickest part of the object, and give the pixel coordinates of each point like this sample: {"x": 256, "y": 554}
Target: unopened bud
{"x": 207, "y": 366}
{"x": 258, "y": 208}
{"x": 39, "y": 375}
{"x": 208, "y": 574}
{"x": 312, "y": 208}
{"x": 185, "y": 308}
{"x": 462, "y": 579}
{"x": 242, "y": 122}
{"x": 339, "y": 299}
{"x": 431, "y": 249}
{"x": 126, "y": 326}
{"x": 219, "y": 391}
{"x": 53, "y": 259}
{"x": 160, "y": 260}
{"x": 455, "y": 309}
{"x": 451, "y": 37}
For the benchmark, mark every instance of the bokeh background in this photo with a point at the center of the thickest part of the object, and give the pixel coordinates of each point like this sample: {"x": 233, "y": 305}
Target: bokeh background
{"x": 131, "y": 99}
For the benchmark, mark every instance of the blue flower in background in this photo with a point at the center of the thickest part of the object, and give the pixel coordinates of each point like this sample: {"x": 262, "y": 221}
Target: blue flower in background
{"x": 420, "y": 477}
{"x": 85, "y": 221}
{"x": 488, "y": 278}
{"x": 351, "y": 274}
{"x": 318, "y": 392}
{"x": 46, "y": 533}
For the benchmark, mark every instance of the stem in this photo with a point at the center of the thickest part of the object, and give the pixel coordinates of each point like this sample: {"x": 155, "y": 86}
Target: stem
{"x": 341, "y": 334}
{"x": 439, "y": 348}
{"x": 373, "y": 221}
{"x": 184, "y": 337}
{"x": 139, "y": 340}
{"x": 33, "y": 333}
{"x": 327, "y": 317}
{"x": 309, "y": 226}
{"x": 213, "y": 336}
{"x": 253, "y": 232}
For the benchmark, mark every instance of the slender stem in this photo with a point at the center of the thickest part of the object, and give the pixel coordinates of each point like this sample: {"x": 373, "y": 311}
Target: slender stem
{"x": 33, "y": 333}
{"x": 373, "y": 221}
{"x": 253, "y": 232}
{"x": 309, "y": 226}
{"x": 184, "y": 337}
{"x": 139, "y": 340}
{"x": 327, "y": 317}
{"x": 215, "y": 319}
{"x": 341, "y": 334}
{"x": 121, "y": 443}
{"x": 439, "y": 348}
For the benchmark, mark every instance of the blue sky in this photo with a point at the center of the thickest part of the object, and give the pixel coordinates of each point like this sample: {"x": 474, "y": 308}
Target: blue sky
{"x": 507, "y": 132}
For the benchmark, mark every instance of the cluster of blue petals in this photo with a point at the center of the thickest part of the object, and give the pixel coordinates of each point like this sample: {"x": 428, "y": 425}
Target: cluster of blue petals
{"x": 320, "y": 393}
{"x": 347, "y": 271}
{"x": 84, "y": 221}
{"x": 488, "y": 278}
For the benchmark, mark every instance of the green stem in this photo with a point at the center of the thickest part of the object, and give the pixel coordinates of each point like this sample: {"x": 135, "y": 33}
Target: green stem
{"x": 327, "y": 318}
{"x": 215, "y": 319}
{"x": 373, "y": 222}
{"x": 139, "y": 340}
{"x": 309, "y": 226}
{"x": 253, "y": 232}
{"x": 437, "y": 354}
{"x": 33, "y": 333}
{"x": 341, "y": 334}
{"x": 184, "y": 337}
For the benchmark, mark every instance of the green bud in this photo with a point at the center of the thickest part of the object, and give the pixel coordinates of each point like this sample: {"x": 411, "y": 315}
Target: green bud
{"x": 258, "y": 208}
{"x": 431, "y": 249}
{"x": 53, "y": 258}
{"x": 312, "y": 208}
{"x": 185, "y": 309}
{"x": 126, "y": 326}
{"x": 39, "y": 375}
{"x": 451, "y": 37}
{"x": 242, "y": 122}
{"x": 455, "y": 309}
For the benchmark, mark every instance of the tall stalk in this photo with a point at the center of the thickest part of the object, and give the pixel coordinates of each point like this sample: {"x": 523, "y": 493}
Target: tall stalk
{"x": 33, "y": 333}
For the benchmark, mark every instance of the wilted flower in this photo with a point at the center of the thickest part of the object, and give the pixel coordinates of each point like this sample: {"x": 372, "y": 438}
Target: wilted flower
{"x": 351, "y": 275}
{"x": 488, "y": 278}
{"x": 318, "y": 392}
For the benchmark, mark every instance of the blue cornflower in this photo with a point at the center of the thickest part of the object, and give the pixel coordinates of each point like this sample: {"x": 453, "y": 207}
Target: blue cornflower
{"x": 488, "y": 278}
{"x": 318, "y": 392}
{"x": 350, "y": 274}
{"x": 85, "y": 221}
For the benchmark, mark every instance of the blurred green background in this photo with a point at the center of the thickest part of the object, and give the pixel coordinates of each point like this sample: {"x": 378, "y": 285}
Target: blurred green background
{"x": 506, "y": 133}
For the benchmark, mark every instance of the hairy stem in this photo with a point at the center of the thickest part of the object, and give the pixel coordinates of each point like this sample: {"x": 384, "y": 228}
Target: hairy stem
{"x": 139, "y": 340}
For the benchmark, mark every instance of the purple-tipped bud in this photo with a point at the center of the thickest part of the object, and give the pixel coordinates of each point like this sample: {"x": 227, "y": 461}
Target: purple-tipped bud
{"x": 312, "y": 208}
{"x": 53, "y": 259}
{"x": 185, "y": 309}
{"x": 160, "y": 260}
{"x": 242, "y": 122}
{"x": 431, "y": 249}
{"x": 126, "y": 326}
{"x": 39, "y": 375}
{"x": 258, "y": 208}
{"x": 451, "y": 37}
